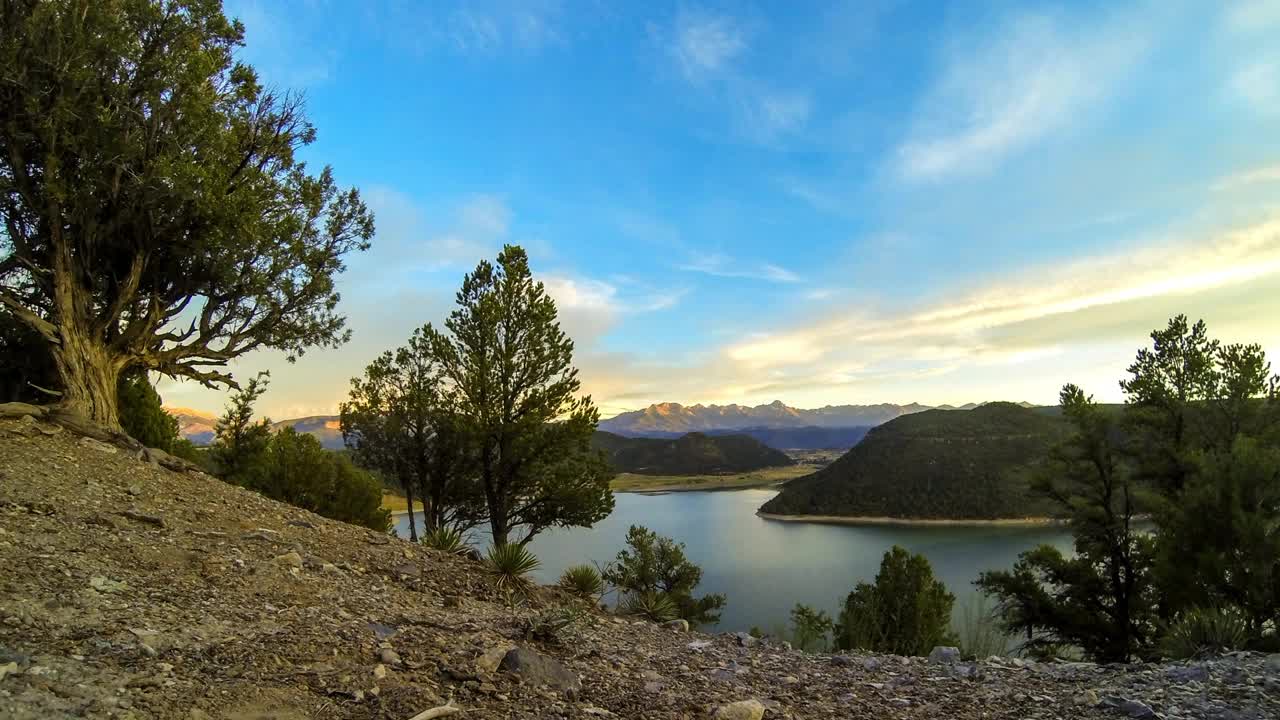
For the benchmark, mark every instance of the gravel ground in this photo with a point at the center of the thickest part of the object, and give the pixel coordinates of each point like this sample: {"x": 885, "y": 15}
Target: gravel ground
{"x": 128, "y": 590}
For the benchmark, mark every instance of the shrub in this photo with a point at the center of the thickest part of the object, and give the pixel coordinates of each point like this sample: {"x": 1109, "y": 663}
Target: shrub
{"x": 583, "y": 581}
{"x": 809, "y": 627}
{"x": 654, "y": 606}
{"x": 1205, "y": 631}
{"x": 446, "y": 539}
{"x": 548, "y": 625}
{"x": 142, "y": 413}
{"x": 978, "y": 633}
{"x": 906, "y": 611}
{"x": 509, "y": 564}
{"x": 656, "y": 565}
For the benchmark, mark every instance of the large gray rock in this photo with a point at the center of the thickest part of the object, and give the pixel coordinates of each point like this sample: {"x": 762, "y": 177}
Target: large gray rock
{"x": 17, "y": 410}
{"x": 741, "y": 710}
{"x": 537, "y": 669}
{"x": 944, "y": 655}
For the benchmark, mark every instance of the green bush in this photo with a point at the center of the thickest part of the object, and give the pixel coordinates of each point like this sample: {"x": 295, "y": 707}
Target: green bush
{"x": 655, "y": 565}
{"x": 142, "y": 414}
{"x": 809, "y": 627}
{"x": 446, "y": 540}
{"x": 1205, "y": 631}
{"x": 509, "y": 564}
{"x": 906, "y": 611}
{"x": 298, "y": 470}
{"x": 583, "y": 581}
{"x": 654, "y": 606}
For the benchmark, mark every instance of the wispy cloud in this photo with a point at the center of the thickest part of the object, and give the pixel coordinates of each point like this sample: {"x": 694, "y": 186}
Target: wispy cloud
{"x": 1257, "y": 84}
{"x": 1250, "y": 16}
{"x": 488, "y": 28}
{"x": 1255, "y": 176}
{"x": 704, "y": 43}
{"x": 1009, "y": 91}
{"x": 724, "y": 266}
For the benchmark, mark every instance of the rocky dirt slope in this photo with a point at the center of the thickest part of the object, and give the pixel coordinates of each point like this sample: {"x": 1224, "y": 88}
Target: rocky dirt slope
{"x": 128, "y": 590}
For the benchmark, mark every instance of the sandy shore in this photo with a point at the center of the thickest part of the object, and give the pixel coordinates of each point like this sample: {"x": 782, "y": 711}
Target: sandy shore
{"x": 855, "y": 520}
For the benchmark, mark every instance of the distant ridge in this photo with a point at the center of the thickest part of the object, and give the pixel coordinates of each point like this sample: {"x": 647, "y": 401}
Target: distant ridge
{"x": 670, "y": 419}
{"x": 198, "y": 427}
{"x": 691, "y": 454}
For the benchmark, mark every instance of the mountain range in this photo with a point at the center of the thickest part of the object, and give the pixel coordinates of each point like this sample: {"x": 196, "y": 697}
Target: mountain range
{"x": 198, "y": 426}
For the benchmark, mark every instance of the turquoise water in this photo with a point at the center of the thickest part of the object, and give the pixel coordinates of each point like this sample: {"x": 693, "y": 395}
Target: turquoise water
{"x": 765, "y": 567}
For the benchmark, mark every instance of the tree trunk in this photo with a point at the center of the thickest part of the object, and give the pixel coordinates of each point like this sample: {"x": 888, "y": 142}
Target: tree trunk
{"x": 413, "y": 526}
{"x": 89, "y": 375}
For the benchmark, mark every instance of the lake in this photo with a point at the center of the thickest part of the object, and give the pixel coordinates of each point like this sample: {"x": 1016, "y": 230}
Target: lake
{"x": 765, "y": 567}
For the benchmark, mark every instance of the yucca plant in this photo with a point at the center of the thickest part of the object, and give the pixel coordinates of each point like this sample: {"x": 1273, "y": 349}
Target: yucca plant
{"x": 509, "y": 564}
{"x": 548, "y": 625}
{"x": 657, "y": 607}
{"x": 1205, "y": 631}
{"x": 446, "y": 540}
{"x": 582, "y": 581}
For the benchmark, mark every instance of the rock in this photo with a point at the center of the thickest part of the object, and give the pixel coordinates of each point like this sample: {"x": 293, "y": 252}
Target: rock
{"x": 790, "y": 680}
{"x": 135, "y": 490}
{"x": 871, "y": 664}
{"x": 10, "y": 668}
{"x": 303, "y": 524}
{"x": 679, "y": 625}
{"x": 1191, "y": 673}
{"x": 944, "y": 655}
{"x": 490, "y": 659}
{"x": 741, "y": 710}
{"x": 18, "y": 409}
{"x": 699, "y": 645}
{"x": 1272, "y": 663}
{"x": 289, "y": 559}
{"x": 967, "y": 671}
{"x": 1088, "y": 698}
{"x": 1132, "y": 708}
{"x": 389, "y": 657}
{"x": 654, "y": 687}
{"x": 98, "y": 445}
{"x": 745, "y": 639}
{"x": 144, "y": 518}
{"x": 330, "y": 569}
{"x": 379, "y": 671}
{"x": 537, "y": 669}
{"x": 107, "y": 585}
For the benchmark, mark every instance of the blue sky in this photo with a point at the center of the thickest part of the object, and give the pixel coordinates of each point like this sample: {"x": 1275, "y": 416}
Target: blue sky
{"x": 815, "y": 202}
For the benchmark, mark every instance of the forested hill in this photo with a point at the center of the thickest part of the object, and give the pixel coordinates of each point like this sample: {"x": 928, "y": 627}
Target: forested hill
{"x": 691, "y": 454}
{"x": 938, "y": 464}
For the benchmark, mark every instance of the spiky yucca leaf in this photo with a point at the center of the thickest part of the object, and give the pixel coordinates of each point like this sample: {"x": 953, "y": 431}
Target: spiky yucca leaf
{"x": 446, "y": 540}
{"x": 1205, "y": 631}
{"x": 510, "y": 563}
{"x": 584, "y": 581}
{"x": 657, "y": 607}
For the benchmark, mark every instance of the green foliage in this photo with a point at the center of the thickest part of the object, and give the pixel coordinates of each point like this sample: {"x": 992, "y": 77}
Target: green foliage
{"x": 142, "y": 414}
{"x": 446, "y": 539}
{"x": 399, "y": 420}
{"x": 549, "y": 626}
{"x": 691, "y": 454}
{"x": 25, "y": 363}
{"x": 810, "y": 627}
{"x": 653, "y": 565}
{"x": 653, "y": 606}
{"x": 510, "y": 365}
{"x": 1219, "y": 541}
{"x": 299, "y": 471}
{"x": 509, "y": 563}
{"x": 1100, "y": 599}
{"x": 1201, "y": 632}
{"x": 157, "y": 217}
{"x": 906, "y": 611}
{"x": 240, "y": 445}
{"x": 583, "y": 581}
{"x": 934, "y": 464}
{"x": 978, "y": 633}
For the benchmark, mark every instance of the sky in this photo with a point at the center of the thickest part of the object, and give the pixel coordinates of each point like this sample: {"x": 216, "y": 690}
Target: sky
{"x": 819, "y": 203}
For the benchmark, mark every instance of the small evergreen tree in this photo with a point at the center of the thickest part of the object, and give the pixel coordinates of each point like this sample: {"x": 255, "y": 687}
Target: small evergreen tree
{"x": 654, "y": 566}
{"x": 296, "y": 469}
{"x": 905, "y": 612}
{"x": 142, "y": 414}
{"x": 510, "y": 367}
{"x": 809, "y": 627}
{"x": 240, "y": 444}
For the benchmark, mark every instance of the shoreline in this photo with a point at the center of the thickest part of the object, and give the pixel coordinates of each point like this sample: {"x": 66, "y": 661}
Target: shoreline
{"x": 917, "y": 522}
{"x": 698, "y": 487}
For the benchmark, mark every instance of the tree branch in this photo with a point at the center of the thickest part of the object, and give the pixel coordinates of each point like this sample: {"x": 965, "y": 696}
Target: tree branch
{"x": 46, "y": 329}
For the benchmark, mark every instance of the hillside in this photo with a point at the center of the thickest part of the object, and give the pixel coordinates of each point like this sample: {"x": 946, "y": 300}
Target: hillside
{"x": 194, "y": 425}
{"x": 691, "y": 454}
{"x": 131, "y": 591}
{"x": 940, "y": 464}
{"x": 197, "y": 427}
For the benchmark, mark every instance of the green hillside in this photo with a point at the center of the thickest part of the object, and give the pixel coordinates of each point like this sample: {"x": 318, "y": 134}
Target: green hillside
{"x": 939, "y": 464}
{"x": 691, "y": 454}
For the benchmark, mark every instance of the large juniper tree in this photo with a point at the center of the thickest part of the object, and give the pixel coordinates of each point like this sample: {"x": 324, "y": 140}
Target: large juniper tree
{"x": 511, "y": 369}
{"x": 155, "y": 216}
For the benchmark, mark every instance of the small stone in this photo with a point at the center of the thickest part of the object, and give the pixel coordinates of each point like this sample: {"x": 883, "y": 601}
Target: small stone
{"x": 106, "y": 585}
{"x": 1191, "y": 673}
{"x": 389, "y": 656}
{"x": 653, "y": 687}
{"x": 10, "y": 668}
{"x": 944, "y": 655}
{"x": 871, "y": 664}
{"x": 678, "y": 625}
{"x": 490, "y": 659}
{"x": 899, "y": 702}
{"x": 741, "y": 710}
{"x": 745, "y": 639}
{"x": 1088, "y": 698}
{"x": 699, "y": 645}
{"x": 790, "y": 680}
{"x": 289, "y": 559}
{"x": 538, "y": 669}
{"x": 379, "y": 671}
{"x": 135, "y": 490}
{"x": 330, "y": 569}
{"x": 88, "y": 442}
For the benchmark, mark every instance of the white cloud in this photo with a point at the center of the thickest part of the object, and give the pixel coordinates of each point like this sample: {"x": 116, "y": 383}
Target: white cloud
{"x": 488, "y": 28}
{"x": 1031, "y": 80}
{"x": 1250, "y": 16}
{"x": 767, "y": 114}
{"x": 1255, "y": 176}
{"x": 1258, "y": 85}
{"x": 704, "y": 43}
{"x": 724, "y": 266}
